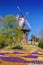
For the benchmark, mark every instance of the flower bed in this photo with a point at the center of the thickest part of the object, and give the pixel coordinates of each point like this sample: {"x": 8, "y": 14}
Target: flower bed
{"x": 21, "y": 56}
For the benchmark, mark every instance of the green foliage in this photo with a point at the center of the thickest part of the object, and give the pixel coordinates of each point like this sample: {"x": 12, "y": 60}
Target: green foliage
{"x": 18, "y": 35}
{"x": 2, "y": 45}
{"x": 2, "y": 39}
{"x": 34, "y": 38}
{"x": 18, "y": 47}
{"x": 40, "y": 44}
{"x": 9, "y": 21}
{"x": 10, "y": 31}
{"x": 11, "y": 40}
{"x": 8, "y": 25}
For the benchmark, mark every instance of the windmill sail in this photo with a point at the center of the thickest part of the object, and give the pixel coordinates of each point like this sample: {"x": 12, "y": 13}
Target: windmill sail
{"x": 19, "y": 10}
{"x": 28, "y": 24}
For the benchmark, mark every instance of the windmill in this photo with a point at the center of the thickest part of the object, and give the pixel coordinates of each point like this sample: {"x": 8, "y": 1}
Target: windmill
{"x": 22, "y": 21}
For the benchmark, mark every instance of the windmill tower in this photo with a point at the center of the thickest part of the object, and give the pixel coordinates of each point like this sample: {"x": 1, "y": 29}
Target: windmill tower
{"x": 22, "y": 21}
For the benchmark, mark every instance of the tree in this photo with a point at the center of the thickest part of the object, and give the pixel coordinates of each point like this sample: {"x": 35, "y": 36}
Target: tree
{"x": 9, "y": 23}
{"x": 41, "y": 34}
{"x": 34, "y": 39}
{"x": 41, "y": 38}
{"x": 12, "y": 30}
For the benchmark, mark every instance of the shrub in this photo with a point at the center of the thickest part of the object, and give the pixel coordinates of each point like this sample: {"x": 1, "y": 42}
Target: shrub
{"x": 40, "y": 44}
{"x": 2, "y": 45}
{"x": 18, "y": 47}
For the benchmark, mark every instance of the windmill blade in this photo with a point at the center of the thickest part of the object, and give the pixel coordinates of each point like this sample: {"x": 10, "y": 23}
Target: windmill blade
{"x": 26, "y": 14}
{"x": 19, "y": 10}
{"x": 28, "y": 24}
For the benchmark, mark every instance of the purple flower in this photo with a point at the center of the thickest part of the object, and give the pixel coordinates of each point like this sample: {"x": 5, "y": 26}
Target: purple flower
{"x": 35, "y": 52}
{"x": 31, "y": 56}
{"x": 13, "y": 59}
{"x": 37, "y": 62}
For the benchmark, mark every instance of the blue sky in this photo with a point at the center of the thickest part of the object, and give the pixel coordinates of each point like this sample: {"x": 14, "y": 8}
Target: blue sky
{"x": 34, "y": 7}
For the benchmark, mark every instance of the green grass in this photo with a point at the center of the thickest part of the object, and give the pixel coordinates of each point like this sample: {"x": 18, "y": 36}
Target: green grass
{"x": 27, "y": 47}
